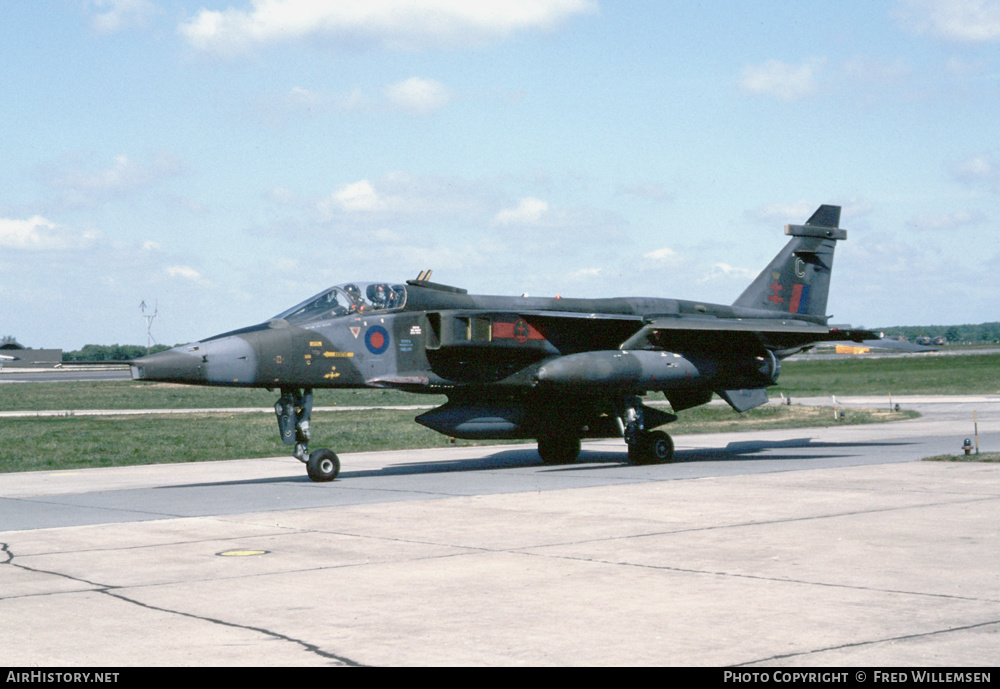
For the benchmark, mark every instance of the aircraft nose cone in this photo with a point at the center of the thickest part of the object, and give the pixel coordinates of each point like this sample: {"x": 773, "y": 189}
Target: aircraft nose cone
{"x": 171, "y": 366}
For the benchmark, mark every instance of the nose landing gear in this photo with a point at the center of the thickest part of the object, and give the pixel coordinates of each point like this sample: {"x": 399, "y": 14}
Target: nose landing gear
{"x": 294, "y": 409}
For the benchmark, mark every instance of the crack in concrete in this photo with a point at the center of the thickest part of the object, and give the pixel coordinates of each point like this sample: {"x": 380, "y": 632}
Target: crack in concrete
{"x": 872, "y": 642}
{"x": 312, "y": 648}
{"x": 115, "y": 592}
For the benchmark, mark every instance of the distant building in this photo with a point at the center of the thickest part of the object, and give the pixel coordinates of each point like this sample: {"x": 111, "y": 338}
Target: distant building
{"x": 13, "y": 354}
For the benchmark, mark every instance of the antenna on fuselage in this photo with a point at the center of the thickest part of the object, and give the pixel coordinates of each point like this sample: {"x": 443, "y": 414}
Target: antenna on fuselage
{"x": 424, "y": 275}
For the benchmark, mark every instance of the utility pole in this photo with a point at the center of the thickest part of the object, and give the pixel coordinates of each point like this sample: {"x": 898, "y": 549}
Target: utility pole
{"x": 149, "y": 323}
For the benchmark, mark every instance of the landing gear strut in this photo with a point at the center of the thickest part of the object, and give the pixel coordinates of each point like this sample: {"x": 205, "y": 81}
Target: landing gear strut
{"x": 644, "y": 447}
{"x": 293, "y": 409}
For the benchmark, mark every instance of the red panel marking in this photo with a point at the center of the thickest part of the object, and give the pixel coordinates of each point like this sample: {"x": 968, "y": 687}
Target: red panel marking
{"x": 793, "y": 307}
{"x": 503, "y": 330}
{"x": 519, "y": 330}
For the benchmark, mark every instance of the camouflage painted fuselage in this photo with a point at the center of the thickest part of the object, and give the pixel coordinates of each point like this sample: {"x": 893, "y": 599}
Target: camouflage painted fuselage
{"x": 532, "y": 367}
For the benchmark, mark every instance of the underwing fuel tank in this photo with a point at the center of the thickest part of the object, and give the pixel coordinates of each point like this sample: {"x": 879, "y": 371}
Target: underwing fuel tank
{"x": 476, "y": 421}
{"x": 656, "y": 370}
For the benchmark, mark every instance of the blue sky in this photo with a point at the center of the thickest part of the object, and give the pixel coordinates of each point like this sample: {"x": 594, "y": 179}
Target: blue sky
{"x": 222, "y": 161}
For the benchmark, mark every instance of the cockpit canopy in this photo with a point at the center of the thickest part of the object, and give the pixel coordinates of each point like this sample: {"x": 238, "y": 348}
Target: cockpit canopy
{"x": 352, "y": 298}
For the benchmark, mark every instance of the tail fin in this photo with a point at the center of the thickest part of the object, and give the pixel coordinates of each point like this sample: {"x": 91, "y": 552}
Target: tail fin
{"x": 797, "y": 280}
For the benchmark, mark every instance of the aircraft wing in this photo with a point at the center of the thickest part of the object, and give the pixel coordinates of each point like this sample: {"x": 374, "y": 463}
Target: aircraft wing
{"x": 714, "y": 333}
{"x": 755, "y": 325}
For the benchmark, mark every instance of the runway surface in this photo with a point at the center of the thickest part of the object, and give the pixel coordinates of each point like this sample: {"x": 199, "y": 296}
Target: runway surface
{"x": 801, "y": 547}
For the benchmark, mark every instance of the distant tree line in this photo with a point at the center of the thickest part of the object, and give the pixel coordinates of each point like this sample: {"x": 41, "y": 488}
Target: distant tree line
{"x": 984, "y": 333}
{"x": 116, "y": 352}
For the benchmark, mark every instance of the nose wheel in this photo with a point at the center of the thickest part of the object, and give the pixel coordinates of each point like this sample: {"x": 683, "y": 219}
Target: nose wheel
{"x": 293, "y": 409}
{"x": 323, "y": 465}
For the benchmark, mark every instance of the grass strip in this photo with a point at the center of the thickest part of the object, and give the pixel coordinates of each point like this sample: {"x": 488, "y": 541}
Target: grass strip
{"x": 125, "y": 394}
{"x": 918, "y": 375}
{"x": 981, "y": 457}
{"x": 50, "y": 443}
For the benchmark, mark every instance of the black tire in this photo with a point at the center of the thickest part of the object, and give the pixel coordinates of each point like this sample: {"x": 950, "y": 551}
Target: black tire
{"x": 559, "y": 450}
{"x": 660, "y": 447}
{"x": 654, "y": 447}
{"x": 323, "y": 466}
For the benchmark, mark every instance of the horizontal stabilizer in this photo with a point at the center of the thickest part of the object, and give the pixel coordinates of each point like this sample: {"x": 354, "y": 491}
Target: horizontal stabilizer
{"x": 846, "y": 332}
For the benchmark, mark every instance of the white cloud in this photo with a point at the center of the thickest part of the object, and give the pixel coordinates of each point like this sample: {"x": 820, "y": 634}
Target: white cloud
{"x": 396, "y": 24}
{"x": 726, "y": 271}
{"x": 401, "y": 199}
{"x": 303, "y": 97}
{"x": 186, "y": 273}
{"x": 585, "y": 273}
{"x": 781, "y": 80}
{"x": 978, "y": 172}
{"x": 946, "y": 221}
{"x": 664, "y": 255}
{"x": 82, "y": 185}
{"x": 418, "y": 96}
{"x": 797, "y": 212}
{"x": 976, "y": 168}
{"x": 39, "y": 234}
{"x": 966, "y": 21}
{"x": 118, "y": 15}
{"x": 529, "y": 211}
{"x": 359, "y": 196}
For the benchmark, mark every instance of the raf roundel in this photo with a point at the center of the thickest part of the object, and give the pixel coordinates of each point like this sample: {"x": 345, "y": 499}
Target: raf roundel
{"x": 377, "y": 339}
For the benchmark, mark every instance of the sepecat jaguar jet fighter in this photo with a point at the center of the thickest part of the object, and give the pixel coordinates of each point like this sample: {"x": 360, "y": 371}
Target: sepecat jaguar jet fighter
{"x": 550, "y": 369}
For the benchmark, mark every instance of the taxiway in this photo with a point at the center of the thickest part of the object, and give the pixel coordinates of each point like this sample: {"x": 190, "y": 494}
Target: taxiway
{"x": 828, "y": 546}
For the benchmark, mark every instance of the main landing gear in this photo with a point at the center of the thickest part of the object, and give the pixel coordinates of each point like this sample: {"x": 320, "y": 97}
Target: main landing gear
{"x": 644, "y": 447}
{"x": 651, "y": 447}
{"x": 293, "y": 409}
